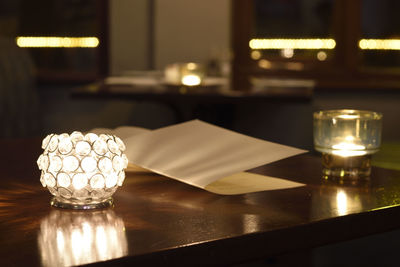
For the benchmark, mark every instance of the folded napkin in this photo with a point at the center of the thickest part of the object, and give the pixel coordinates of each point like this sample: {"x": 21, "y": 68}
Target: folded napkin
{"x": 207, "y": 156}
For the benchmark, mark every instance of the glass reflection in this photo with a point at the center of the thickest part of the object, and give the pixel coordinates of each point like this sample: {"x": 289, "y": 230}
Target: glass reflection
{"x": 73, "y": 238}
{"x": 251, "y": 223}
{"x": 341, "y": 203}
{"x": 345, "y": 203}
{"x": 335, "y": 200}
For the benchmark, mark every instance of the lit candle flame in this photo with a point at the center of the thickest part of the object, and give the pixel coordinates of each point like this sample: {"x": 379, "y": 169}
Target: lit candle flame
{"x": 347, "y": 149}
{"x": 191, "y": 80}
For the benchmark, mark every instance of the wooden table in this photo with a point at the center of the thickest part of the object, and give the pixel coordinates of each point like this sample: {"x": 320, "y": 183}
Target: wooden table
{"x": 214, "y": 104}
{"x": 199, "y": 94}
{"x": 157, "y": 220}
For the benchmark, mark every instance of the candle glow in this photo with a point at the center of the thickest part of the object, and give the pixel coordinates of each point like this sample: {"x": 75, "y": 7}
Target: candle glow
{"x": 82, "y": 171}
{"x": 348, "y": 148}
{"x": 191, "y": 80}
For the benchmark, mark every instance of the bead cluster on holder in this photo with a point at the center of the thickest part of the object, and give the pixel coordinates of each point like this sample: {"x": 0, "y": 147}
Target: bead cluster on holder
{"x": 82, "y": 171}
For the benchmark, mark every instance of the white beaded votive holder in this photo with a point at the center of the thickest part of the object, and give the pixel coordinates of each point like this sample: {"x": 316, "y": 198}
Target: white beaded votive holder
{"x": 82, "y": 171}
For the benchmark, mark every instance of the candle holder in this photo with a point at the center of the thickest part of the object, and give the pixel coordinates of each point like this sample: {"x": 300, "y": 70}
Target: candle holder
{"x": 184, "y": 74}
{"x": 347, "y": 139}
{"x": 82, "y": 171}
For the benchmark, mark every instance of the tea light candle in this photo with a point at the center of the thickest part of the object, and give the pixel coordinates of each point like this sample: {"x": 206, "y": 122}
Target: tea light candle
{"x": 82, "y": 171}
{"x": 347, "y": 139}
{"x": 191, "y": 80}
{"x": 348, "y": 148}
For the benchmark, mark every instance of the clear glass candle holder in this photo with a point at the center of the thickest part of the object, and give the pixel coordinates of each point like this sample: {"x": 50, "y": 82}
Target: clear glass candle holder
{"x": 82, "y": 171}
{"x": 185, "y": 74}
{"x": 347, "y": 139}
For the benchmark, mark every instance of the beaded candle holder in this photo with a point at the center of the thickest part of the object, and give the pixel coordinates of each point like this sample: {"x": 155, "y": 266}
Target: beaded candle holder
{"x": 82, "y": 171}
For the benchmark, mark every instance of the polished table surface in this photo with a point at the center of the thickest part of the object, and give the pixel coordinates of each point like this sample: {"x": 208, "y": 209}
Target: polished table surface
{"x": 188, "y": 103}
{"x": 157, "y": 220}
{"x": 197, "y": 94}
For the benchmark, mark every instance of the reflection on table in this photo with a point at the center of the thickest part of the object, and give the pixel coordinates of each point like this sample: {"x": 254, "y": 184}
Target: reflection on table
{"x": 79, "y": 237}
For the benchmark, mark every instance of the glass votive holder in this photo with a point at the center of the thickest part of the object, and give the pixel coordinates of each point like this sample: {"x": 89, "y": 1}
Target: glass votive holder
{"x": 347, "y": 139}
{"x": 184, "y": 74}
{"x": 82, "y": 171}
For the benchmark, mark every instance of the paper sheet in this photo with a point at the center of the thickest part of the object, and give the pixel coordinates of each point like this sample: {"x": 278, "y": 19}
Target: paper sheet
{"x": 238, "y": 183}
{"x": 246, "y": 182}
{"x": 200, "y": 154}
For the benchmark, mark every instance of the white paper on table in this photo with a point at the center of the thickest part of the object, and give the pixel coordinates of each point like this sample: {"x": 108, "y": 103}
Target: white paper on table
{"x": 246, "y": 182}
{"x": 200, "y": 154}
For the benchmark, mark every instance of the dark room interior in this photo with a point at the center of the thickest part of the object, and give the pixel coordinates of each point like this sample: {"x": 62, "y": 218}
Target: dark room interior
{"x": 259, "y": 68}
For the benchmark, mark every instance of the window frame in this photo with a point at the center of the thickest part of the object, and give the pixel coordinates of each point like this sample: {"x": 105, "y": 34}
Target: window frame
{"x": 101, "y": 69}
{"x": 345, "y": 71}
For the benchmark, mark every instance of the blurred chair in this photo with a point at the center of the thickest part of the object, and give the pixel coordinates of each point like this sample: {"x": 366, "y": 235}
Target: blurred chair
{"x": 19, "y": 116}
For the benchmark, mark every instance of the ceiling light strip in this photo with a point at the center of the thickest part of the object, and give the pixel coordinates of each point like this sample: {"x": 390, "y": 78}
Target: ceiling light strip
{"x": 292, "y": 44}
{"x": 379, "y": 44}
{"x": 52, "y": 41}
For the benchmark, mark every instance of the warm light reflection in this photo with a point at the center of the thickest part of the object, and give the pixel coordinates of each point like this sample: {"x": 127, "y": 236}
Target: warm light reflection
{"x": 53, "y": 41}
{"x": 365, "y": 44}
{"x": 322, "y": 56}
{"x": 191, "y": 66}
{"x": 348, "y": 153}
{"x": 292, "y": 44}
{"x": 294, "y": 66}
{"x": 256, "y": 55}
{"x": 265, "y": 64}
{"x": 348, "y": 116}
{"x": 348, "y": 148}
{"x": 379, "y": 44}
{"x": 347, "y": 202}
{"x": 191, "y": 80}
{"x": 341, "y": 203}
{"x": 287, "y": 52}
{"x": 251, "y": 223}
{"x": 73, "y": 238}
